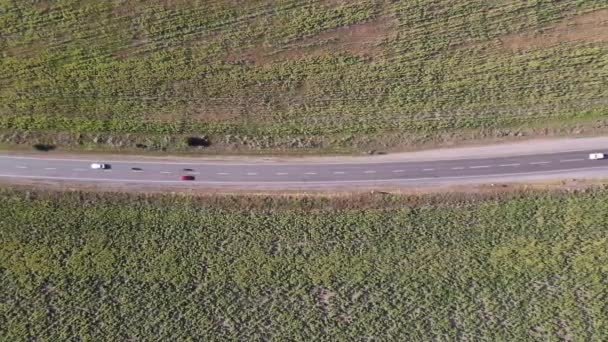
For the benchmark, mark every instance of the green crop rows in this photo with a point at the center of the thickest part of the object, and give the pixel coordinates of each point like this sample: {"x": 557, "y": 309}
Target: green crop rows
{"x": 113, "y": 267}
{"x": 184, "y": 67}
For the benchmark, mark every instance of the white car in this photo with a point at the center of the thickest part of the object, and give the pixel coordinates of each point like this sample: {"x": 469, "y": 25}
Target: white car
{"x": 596, "y": 156}
{"x": 100, "y": 166}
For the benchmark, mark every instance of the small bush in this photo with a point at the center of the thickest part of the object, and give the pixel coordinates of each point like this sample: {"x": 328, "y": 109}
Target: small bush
{"x": 198, "y": 141}
{"x": 44, "y": 147}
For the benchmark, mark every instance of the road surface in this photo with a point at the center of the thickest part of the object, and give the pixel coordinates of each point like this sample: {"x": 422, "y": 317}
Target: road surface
{"x": 299, "y": 174}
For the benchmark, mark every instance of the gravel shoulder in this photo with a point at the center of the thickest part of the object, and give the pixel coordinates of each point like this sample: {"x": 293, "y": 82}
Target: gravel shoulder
{"x": 528, "y": 147}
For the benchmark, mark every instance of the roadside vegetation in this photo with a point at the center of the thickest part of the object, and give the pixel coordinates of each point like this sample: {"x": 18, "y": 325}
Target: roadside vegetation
{"x": 298, "y": 75}
{"x": 528, "y": 265}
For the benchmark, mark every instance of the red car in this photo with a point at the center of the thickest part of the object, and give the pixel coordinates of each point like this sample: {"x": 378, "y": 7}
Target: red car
{"x": 187, "y": 178}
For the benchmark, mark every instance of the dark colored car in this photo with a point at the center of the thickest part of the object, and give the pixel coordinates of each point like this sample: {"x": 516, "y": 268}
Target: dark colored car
{"x": 187, "y": 178}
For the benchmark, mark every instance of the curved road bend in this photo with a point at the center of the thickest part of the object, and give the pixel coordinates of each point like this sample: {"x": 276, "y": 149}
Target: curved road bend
{"x": 286, "y": 175}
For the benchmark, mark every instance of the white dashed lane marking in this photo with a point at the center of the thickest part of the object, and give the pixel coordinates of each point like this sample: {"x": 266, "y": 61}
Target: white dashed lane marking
{"x": 343, "y": 172}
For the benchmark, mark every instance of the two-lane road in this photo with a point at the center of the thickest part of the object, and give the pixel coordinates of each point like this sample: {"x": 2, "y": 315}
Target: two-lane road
{"x": 287, "y": 175}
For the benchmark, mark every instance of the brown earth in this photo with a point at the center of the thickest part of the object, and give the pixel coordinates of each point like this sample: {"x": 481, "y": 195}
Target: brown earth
{"x": 590, "y": 27}
{"x": 134, "y": 7}
{"x": 362, "y": 39}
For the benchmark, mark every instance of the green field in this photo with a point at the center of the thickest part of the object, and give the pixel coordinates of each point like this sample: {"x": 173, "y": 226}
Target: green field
{"x": 298, "y": 75}
{"x": 113, "y": 267}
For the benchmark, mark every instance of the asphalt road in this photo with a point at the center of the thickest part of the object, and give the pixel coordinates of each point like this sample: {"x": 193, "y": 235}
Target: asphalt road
{"x": 299, "y": 174}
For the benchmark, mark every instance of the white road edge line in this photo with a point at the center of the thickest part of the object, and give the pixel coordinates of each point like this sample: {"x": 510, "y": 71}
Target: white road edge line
{"x": 214, "y": 162}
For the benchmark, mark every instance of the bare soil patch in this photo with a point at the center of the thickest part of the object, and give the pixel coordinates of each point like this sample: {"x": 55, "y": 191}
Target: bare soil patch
{"x": 133, "y": 7}
{"x": 335, "y": 3}
{"x": 590, "y": 27}
{"x": 363, "y": 39}
{"x": 323, "y": 298}
{"x": 216, "y": 113}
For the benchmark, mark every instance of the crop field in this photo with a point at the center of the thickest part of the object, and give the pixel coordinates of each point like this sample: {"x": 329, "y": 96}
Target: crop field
{"x": 77, "y": 266}
{"x": 287, "y": 74}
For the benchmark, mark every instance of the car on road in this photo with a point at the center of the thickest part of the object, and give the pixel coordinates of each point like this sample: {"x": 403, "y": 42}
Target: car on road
{"x": 100, "y": 166}
{"x": 187, "y": 178}
{"x": 596, "y": 156}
